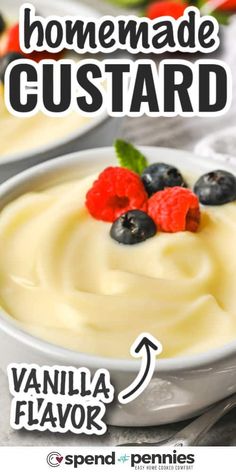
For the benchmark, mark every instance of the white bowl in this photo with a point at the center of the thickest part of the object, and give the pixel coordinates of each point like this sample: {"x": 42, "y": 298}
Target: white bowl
{"x": 100, "y": 131}
{"x": 181, "y": 387}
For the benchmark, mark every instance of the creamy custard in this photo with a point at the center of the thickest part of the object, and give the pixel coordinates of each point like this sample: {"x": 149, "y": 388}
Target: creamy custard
{"x": 65, "y": 280}
{"x": 18, "y": 135}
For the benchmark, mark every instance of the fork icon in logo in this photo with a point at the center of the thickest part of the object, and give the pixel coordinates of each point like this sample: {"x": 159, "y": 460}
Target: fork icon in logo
{"x": 123, "y": 458}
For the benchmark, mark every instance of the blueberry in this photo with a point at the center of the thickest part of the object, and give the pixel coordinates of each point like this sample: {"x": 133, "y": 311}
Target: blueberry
{"x": 6, "y": 60}
{"x": 2, "y": 24}
{"x": 159, "y": 176}
{"x": 216, "y": 188}
{"x": 133, "y": 227}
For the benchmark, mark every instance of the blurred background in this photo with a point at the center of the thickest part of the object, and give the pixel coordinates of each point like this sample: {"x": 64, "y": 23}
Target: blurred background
{"x": 25, "y": 142}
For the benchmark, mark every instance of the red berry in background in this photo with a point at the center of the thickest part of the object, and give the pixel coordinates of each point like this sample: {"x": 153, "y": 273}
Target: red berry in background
{"x": 163, "y": 8}
{"x": 229, "y": 5}
{"x": 12, "y": 41}
{"x": 175, "y": 209}
{"x": 116, "y": 191}
{"x": 12, "y": 44}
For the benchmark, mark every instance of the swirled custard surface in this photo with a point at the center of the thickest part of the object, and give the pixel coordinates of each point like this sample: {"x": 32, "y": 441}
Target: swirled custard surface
{"x": 65, "y": 280}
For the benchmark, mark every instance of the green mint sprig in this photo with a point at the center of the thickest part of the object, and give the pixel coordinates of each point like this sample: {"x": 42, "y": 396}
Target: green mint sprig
{"x": 130, "y": 157}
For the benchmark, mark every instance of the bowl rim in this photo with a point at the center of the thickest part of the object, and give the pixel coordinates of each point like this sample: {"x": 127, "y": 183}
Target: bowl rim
{"x": 56, "y": 143}
{"x": 12, "y": 328}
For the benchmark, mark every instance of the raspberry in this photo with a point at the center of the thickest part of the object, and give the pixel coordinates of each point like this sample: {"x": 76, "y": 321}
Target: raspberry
{"x": 163, "y": 8}
{"x": 116, "y": 191}
{"x": 175, "y": 209}
{"x": 13, "y": 45}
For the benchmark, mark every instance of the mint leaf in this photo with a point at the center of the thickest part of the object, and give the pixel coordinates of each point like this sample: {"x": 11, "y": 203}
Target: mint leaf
{"x": 130, "y": 157}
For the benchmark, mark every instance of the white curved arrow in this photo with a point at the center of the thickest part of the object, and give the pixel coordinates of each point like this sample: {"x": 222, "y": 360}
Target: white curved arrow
{"x": 147, "y": 347}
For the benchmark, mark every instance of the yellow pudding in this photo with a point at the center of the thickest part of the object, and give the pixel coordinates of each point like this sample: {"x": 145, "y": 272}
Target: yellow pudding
{"x": 19, "y": 135}
{"x": 65, "y": 280}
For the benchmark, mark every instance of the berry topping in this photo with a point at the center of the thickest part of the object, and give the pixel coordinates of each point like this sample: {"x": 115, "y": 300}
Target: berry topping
{"x": 116, "y": 191}
{"x": 2, "y": 24}
{"x": 175, "y": 209}
{"x": 216, "y": 188}
{"x": 133, "y": 227}
{"x": 6, "y": 60}
{"x": 156, "y": 177}
{"x": 165, "y": 8}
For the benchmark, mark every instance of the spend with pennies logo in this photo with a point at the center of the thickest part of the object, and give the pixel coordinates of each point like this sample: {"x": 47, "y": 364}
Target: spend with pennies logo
{"x": 54, "y": 459}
